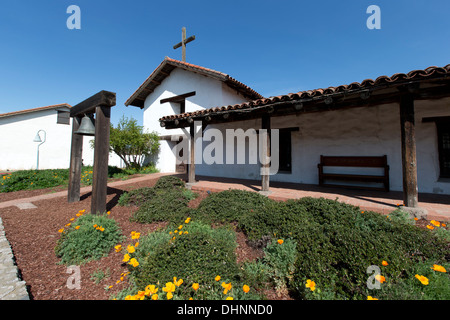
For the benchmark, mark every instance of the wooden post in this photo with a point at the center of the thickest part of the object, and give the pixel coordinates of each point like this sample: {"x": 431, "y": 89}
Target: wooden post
{"x": 101, "y": 156}
{"x": 192, "y": 154}
{"x": 265, "y": 124}
{"x": 76, "y": 153}
{"x": 409, "y": 161}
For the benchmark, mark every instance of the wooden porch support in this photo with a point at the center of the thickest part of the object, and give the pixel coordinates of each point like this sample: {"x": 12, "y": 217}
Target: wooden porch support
{"x": 409, "y": 161}
{"x": 191, "y": 178}
{"x": 76, "y": 153}
{"x": 101, "y": 157}
{"x": 265, "y": 124}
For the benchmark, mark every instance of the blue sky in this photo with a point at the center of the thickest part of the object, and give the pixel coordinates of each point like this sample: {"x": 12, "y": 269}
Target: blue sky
{"x": 275, "y": 47}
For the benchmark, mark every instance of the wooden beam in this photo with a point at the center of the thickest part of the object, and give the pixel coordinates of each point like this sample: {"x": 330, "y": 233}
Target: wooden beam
{"x": 192, "y": 154}
{"x": 409, "y": 160}
{"x": 265, "y": 165}
{"x": 178, "y": 98}
{"x": 102, "y": 98}
{"x": 76, "y": 153}
{"x": 101, "y": 157}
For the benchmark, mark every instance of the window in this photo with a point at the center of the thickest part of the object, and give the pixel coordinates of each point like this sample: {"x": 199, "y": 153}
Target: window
{"x": 63, "y": 117}
{"x": 443, "y": 130}
{"x": 285, "y": 156}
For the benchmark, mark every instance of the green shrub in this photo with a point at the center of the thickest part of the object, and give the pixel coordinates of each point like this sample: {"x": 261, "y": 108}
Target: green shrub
{"x": 136, "y": 197}
{"x": 166, "y": 201}
{"x": 86, "y": 243}
{"x": 280, "y": 261}
{"x": 170, "y": 182}
{"x": 336, "y": 243}
{"x": 410, "y": 288}
{"x": 230, "y": 205}
{"x": 165, "y": 205}
{"x": 197, "y": 256}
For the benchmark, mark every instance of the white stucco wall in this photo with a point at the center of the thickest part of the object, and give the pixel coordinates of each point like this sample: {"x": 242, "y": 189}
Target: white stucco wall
{"x": 19, "y": 152}
{"x": 371, "y": 131}
{"x": 209, "y": 93}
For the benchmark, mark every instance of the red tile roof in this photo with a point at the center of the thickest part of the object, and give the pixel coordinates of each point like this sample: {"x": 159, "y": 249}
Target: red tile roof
{"x": 56, "y": 106}
{"x": 369, "y": 84}
{"x": 167, "y": 65}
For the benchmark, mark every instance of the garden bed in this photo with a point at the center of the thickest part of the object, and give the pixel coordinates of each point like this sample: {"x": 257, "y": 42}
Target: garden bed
{"x": 33, "y": 235}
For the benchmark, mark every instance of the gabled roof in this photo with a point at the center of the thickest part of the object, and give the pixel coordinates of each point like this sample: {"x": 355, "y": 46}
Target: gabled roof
{"x": 367, "y": 85}
{"x": 56, "y": 106}
{"x": 163, "y": 70}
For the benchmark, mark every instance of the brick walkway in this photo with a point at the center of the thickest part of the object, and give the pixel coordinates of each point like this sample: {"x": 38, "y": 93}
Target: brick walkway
{"x": 436, "y": 206}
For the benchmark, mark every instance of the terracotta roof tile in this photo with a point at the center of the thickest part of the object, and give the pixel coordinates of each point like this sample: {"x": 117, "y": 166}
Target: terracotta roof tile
{"x": 14, "y": 113}
{"x": 365, "y": 84}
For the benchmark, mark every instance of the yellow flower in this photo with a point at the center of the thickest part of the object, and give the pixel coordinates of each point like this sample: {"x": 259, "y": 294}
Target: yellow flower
{"x": 72, "y": 219}
{"x": 422, "y": 279}
{"x": 380, "y": 278}
{"x": 101, "y": 228}
{"x": 177, "y": 283}
{"x": 77, "y": 227}
{"x": 61, "y": 230}
{"x": 108, "y": 213}
{"x": 227, "y": 287}
{"x": 439, "y": 268}
{"x": 68, "y": 225}
{"x": 187, "y": 220}
{"x": 435, "y": 223}
{"x": 126, "y": 258}
{"x": 135, "y": 235}
{"x": 134, "y": 262}
{"x": 384, "y": 263}
{"x": 195, "y": 286}
{"x": 430, "y": 227}
{"x": 310, "y": 284}
{"x": 155, "y": 297}
{"x": 229, "y": 298}
{"x": 150, "y": 289}
{"x": 131, "y": 249}
{"x": 246, "y": 288}
{"x": 170, "y": 287}
{"x": 95, "y": 225}
{"x": 169, "y": 295}
{"x": 217, "y": 278}
{"x": 371, "y": 298}
{"x": 186, "y": 232}
{"x": 136, "y": 244}
{"x": 82, "y": 211}
{"x": 118, "y": 248}
{"x": 280, "y": 241}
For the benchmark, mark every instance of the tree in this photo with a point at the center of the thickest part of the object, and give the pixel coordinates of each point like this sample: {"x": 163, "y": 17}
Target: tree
{"x": 129, "y": 141}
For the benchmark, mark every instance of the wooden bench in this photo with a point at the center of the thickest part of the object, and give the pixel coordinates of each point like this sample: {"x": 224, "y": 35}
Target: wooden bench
{"x": 357, "y": 162}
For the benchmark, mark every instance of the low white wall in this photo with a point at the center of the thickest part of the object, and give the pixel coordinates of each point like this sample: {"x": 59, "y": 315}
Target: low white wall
{"x": 19, "y": 152}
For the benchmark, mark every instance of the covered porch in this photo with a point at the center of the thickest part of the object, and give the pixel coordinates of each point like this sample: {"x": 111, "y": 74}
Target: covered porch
{"x": 400, "y": 92}
{"x": 434, "y": 206}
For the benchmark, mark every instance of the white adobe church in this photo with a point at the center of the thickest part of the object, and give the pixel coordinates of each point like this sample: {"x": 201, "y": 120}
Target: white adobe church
{"x": 391, "y": 133}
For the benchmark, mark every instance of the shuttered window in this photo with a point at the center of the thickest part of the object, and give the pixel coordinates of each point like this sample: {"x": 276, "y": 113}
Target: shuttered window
{"x": 63, "y": 117}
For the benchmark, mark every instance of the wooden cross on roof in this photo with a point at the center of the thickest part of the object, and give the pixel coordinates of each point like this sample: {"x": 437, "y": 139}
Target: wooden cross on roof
{"x": 183, "y": 43}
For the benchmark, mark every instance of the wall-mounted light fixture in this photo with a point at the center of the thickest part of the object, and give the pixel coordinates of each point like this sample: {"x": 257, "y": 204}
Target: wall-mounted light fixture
{"x": 37, "y": 138}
